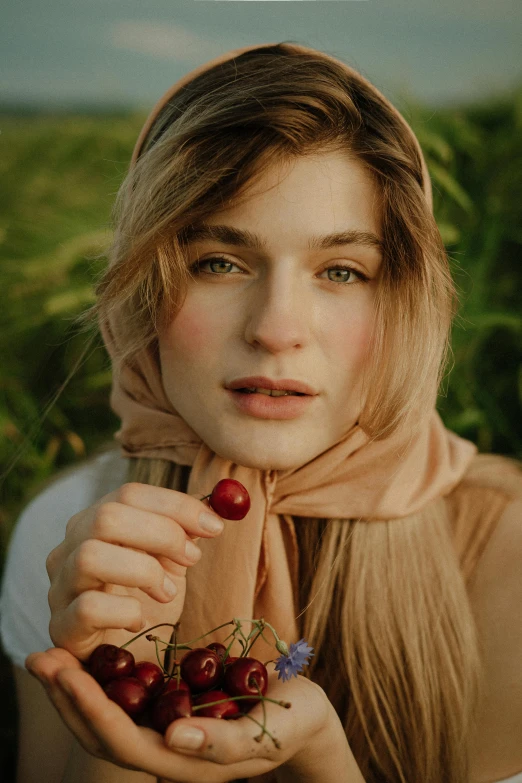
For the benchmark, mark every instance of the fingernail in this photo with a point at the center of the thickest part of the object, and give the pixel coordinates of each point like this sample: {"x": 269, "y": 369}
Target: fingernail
{"x": 169, "y": 587}
{"x": 210, "y": 523}
{"x": 187, "y": 737}
{"x": 192, "y": 551}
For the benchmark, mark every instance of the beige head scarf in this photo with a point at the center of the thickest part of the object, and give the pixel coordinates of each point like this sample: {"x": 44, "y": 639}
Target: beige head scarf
{"x": 251, "y": 570}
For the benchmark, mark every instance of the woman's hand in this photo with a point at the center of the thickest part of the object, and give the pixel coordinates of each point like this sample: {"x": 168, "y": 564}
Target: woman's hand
{"x": 121, "y": 560}
{"x": 229, "y": 749}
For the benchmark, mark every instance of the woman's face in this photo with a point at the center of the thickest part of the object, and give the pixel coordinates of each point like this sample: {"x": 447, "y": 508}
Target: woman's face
{"x": 280, "y": 308}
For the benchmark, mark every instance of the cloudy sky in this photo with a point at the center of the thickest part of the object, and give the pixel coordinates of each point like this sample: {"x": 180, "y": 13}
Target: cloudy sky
{"x": 60, "y": 53}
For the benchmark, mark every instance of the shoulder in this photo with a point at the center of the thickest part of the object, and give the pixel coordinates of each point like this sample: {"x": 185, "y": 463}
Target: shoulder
{"x": 73, "y": 489}
{"x": 498, "y": 574}
{"x": 496, "y": 598}
{"x": 475, "y": 506}
{"x": 42, "y": 523}
{"x": 24, "y": 609}
{"x": 90, "y": 479}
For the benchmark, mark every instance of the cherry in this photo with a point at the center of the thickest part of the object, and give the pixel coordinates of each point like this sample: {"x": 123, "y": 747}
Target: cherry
{"x": 172, "y": 685}
{"x": 227, "y": 709}
{"x": 131, "y": 694}
{"x": 201, "y": 669}
{"x": 241, "y": 678}
{"x": 108, "y": 662}
{"x": 150, "y": 675}
{"x": 219, "y": 649}
{"x": 230, "y": 499}
{"x": 171, "y": 706}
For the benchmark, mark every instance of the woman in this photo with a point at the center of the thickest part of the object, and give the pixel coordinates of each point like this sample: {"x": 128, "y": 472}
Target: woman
{"x": 275, "y": 231}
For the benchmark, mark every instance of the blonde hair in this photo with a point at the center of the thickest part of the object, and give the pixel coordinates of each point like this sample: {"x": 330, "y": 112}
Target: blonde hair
{"x": 384, "y": 603}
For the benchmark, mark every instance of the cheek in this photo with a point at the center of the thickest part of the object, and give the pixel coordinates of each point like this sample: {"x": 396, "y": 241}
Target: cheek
{"x": 351, "y": 340}
{"x": 191, "y": 332}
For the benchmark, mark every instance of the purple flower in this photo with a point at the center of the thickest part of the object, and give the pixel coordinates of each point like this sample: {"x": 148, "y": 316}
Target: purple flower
{"x": 291, "y": 664}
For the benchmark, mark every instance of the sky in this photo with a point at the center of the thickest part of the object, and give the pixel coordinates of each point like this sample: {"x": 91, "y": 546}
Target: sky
{"x": 60, "y": 54}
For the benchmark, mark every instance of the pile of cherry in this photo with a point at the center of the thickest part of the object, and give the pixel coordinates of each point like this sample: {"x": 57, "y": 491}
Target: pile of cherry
{"x": 206, "y": 682}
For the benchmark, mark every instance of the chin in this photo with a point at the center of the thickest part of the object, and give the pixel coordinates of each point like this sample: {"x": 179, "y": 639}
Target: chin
{"x": 267, "y": 458}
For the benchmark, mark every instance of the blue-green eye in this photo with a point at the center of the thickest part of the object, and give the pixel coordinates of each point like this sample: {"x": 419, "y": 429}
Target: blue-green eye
{"x": 346, "y": 279}
{"x": 197, "y": 268}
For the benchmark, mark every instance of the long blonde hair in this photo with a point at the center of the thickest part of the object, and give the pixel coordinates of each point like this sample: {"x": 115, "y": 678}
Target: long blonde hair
{"x": 384, "y": 604}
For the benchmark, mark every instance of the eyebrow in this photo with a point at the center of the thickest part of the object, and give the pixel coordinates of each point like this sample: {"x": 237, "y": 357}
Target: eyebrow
{"x": 229, "y": 235}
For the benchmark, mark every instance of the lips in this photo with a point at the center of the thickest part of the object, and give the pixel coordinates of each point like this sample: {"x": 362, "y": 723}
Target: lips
{"x": 260, "y": 382}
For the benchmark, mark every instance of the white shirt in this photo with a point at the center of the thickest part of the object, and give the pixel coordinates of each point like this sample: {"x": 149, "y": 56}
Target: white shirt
{"x": 24, "y": 610}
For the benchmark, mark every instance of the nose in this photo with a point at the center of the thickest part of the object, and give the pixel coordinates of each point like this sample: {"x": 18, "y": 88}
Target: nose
{"x": 278, "y": 314}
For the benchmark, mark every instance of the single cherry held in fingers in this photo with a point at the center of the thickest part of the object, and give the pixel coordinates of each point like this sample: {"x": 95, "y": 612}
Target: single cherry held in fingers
{"x": 225, "y": 709}
{"x": 171, "y": 706}
{"x": 108, "y": 662}
{"x": 229, "y": 499}
{"x": 243, "y": 678}
{"x": 129, "y": 693}
{"x": 201, "y": 669}
{"x": 150, "y": 675}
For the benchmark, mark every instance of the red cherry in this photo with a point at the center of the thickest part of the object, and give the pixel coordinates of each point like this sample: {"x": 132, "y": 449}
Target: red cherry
{"x": 201, "y": 669}
{"x": 108, "y": 662}
{"x": 230, "y": 499}
{"x": 131, "y": 694}
{"x": 227, "y": 709}
{"x": 219, "y": 649}
{"x": 171, "y": 706}
{"x": 241, "y": 678}
{"x": 150, "y": 675}
{"x": 172, "y": 685}
{"x": 231, "y": 659}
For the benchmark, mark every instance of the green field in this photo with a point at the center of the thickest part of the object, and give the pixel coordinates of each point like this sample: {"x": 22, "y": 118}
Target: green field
{"x": 59, "y": 177}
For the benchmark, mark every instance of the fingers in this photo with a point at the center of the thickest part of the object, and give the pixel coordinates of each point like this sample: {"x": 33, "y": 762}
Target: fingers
{"x": 89, "y": 713}
{"x": 149, "y": 531}
{"x": 228, "y": 742}
{"x": 157, "y": 519}
{"x": 45, "y": 667}
{"x": 229, "y": 751}
{"x": 286, "y": 730}
{"x": 192, "y": 514}
{"x": 135, "y": 747}
{"x": 91, "y": 612}
{"x": 95, "y": 563}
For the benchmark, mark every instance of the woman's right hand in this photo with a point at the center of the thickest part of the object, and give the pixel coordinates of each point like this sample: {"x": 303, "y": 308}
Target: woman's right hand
{"x": 117, "y": 564}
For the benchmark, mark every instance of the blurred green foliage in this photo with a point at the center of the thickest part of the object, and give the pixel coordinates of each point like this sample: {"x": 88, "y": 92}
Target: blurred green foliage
{"x": 59, "y": 178}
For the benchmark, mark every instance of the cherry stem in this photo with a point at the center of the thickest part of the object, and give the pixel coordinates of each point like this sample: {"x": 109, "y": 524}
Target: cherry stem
{"x": 246, "y": 642}
{"x": 264, "y": 730}
{"x": 192, "y": 641}
{"x": 158, "y": 655}
{"x": 285, "y": 704}
{"x": 263, "y": 704}
{"x": 169, "y": 655}
{"x": 147, "y": 630}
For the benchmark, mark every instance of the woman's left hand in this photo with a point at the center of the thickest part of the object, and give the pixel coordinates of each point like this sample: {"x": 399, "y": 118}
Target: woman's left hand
{"x": 228, "y": 749}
